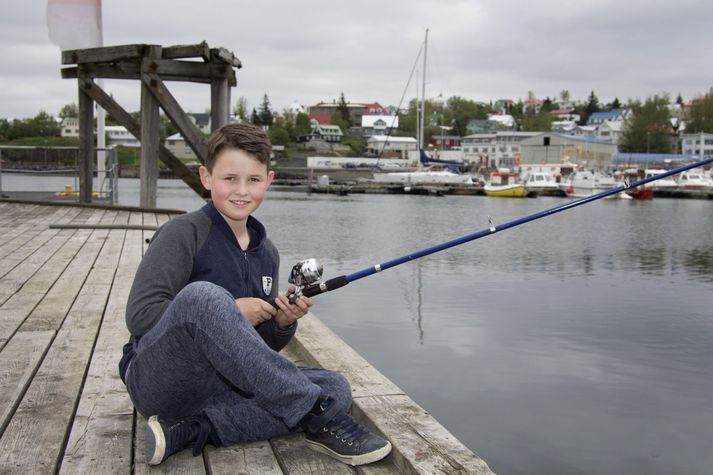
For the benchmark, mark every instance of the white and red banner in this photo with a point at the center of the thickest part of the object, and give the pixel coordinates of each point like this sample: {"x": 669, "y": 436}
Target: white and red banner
{"x": 75, "y": 24}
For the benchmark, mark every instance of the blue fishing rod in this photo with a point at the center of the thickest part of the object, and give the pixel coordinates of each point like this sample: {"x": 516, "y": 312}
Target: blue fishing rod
{"x": 306, "y": 275}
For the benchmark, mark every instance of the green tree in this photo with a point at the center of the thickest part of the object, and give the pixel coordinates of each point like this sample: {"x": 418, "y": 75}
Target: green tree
{"x": 339, "y": 121}
{"x": 241, "y": 109}
{"x": 700, "y": 115}
{"x": 303, "y": 124}
{"x": 357, "y": 144}
{"x": 648, "y": 128}
{"x": 255, "y": 118}
{"x": 540, "y": 122}
{"x": 69, "y": 110}
{"x": 615, "y": 104}
{"x": 343, "y": 109}
{"x": 590, "y": 108}
{"x": 279, "y": 136}
{"x": 266, "y": 117}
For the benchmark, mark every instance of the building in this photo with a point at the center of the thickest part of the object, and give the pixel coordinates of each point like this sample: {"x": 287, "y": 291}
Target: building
{"x": 201, "y": 120}
{"x": 69, "y": 127}
{"x": 323, "y": 111}
{"x": 610, "y": 131}
{"x": 379, "y": 124}
{"x": 391, "y": 146}
{"x": 178, "y": 146}
{"x": 445, "y": 142}
{"x": 119, "y": 135}
{"x": 700, "y": 144}
{"x": 550, "y": 147}
{"x": 327, "y": 133}
{"x": 615, "y": 115}
{"x": 496, "y": 149}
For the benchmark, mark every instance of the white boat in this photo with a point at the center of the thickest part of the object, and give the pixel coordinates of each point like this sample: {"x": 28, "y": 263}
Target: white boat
{"x": 694, "y": 179}
{"x": 423, "y": 177}
{"x": 585, "y": 183}
{"x": 540, "y": 182}
{"x": 667, "y": 183}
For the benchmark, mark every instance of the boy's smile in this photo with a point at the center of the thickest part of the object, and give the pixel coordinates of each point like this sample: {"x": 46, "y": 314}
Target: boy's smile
{"x": 237, "y": 185}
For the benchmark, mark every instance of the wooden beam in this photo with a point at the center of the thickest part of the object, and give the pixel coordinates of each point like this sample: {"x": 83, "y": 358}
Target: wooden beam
{"x": 219, "y": 103}
{"x": 187, "y": 51}
{"x": 124, "y": 118}
{"x": 193, "y": 136}
{"x": 185, "y": 71}
{"x": 150, "y": 140}
{"x": 104, "y": 54}
{"x": 226, "y": 56}
{"x": 86, "y": 145}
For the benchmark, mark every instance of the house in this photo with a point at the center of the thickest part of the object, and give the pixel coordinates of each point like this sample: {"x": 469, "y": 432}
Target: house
{"x": 119, "y": 135}
{"x": 327, "y": 133}
{"x": 700, "y": 144}
{"x": 69, "y": 127}
{"x": 610, "y": 131}
{"x": 201, "y": 120}
{"x": 177, "y": 145}
{"x": 323, "y": 111}
{"x": 385, "y": 145}
{"x": 496, "y": 149}
{"x": 379, "y": 124}
{"x": 551, "y": 147}
{"x": 445, "y": 142}
{"x": 615, "y": 115}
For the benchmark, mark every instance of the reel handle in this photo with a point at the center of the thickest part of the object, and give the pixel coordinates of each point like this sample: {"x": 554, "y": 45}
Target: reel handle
{"x": 326, "y": 286}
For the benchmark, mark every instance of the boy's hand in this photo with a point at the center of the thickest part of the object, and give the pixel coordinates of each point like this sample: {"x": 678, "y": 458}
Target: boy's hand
{"x": 290, "y": 313}
{"x": 255, "y": 310}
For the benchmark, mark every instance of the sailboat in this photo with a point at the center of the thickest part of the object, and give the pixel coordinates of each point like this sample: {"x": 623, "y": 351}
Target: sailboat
{"x": 424, "y": 174}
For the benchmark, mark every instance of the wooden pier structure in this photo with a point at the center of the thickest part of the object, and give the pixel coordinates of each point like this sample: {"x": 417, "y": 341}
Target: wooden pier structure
{"x": 65, "y": 275}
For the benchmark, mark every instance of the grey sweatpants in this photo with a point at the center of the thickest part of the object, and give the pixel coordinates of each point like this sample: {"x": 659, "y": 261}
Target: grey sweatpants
{"x": 204, "y": 358}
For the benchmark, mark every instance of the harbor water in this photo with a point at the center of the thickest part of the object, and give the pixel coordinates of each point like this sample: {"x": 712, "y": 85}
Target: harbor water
{"x": 581, "y": 343}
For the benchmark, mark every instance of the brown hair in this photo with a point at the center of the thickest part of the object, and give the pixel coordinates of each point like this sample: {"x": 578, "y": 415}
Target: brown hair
{"x": 246, "y": 137}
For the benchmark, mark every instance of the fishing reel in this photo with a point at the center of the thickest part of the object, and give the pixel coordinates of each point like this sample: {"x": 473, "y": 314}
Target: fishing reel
{"x": 306, "y": 275}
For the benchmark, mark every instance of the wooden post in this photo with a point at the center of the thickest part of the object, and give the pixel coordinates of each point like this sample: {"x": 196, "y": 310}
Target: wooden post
{"x": 219, "y": 103}
{"x": 150, "y": 140}
{"x": 86, "y": 145}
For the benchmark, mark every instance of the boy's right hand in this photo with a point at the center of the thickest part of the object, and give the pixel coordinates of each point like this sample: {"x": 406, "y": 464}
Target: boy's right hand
{"x": 255, "y": 310}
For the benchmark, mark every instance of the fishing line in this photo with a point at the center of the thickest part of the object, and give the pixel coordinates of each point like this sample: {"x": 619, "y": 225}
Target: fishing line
{"x": 307, "y": 274}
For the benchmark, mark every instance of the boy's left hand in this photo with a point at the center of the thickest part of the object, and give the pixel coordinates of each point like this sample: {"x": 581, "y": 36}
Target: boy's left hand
{"x": 288, "y": 313}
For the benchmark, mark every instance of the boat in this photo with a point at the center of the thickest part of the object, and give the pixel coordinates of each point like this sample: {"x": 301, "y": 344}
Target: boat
{"x": 694, "y": 180}
{"x": 504, "y": 184}
{"x": 641, "y": 193}
{"x": 585, "y": 183}
{"x": 663, "y": 184}
{"x": 540, "y": 182}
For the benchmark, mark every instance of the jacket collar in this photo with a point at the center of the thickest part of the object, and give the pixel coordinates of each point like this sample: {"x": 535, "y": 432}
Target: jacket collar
{"x": 255, "y": 227}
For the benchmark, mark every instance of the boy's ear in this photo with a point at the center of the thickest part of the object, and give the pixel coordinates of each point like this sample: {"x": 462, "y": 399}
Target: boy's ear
{"x": 270, "y": 177}
{"x": 205, "y": 177}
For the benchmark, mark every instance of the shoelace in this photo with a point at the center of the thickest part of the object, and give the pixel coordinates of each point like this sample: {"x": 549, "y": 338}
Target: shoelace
{"x": 347, "y": 429}
{"x": 181, "y": 435}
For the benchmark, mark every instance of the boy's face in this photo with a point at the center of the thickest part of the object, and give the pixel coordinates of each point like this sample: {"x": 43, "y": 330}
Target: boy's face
{"x": 237, "y": 184}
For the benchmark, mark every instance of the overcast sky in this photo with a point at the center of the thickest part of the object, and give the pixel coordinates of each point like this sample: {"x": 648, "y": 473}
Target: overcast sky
{"x": 307, "y": 51}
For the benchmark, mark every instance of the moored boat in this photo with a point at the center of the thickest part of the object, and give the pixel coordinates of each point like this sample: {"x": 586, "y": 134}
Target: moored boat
{"x": 585, "y": 183}
{"x": 504, "y": 184}
{"x": 668, "y": 183}
{"x": 694, "y": 180}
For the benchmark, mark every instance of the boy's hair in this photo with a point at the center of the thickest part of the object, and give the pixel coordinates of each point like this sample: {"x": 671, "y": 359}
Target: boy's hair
{"x": 246, "y": 137}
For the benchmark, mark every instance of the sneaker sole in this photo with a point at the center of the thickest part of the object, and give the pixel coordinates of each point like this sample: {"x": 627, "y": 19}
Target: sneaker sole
{"x": 353, "y": 460}
{"x": 155, "y": 441}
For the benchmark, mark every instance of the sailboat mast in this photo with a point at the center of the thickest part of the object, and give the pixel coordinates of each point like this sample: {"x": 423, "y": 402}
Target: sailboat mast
{"x": 423, "y": 93}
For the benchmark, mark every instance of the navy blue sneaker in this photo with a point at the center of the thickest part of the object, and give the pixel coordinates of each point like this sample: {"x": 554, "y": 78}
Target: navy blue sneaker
{"x": 336, "y": 434}
{"x": 164, "y": 439}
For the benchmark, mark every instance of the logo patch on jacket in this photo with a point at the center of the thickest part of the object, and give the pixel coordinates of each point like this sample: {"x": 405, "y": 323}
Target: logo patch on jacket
{"x": 267, "y": 284}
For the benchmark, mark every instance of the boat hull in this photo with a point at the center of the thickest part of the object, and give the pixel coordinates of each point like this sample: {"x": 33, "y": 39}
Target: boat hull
{"x": 506, "y": 191}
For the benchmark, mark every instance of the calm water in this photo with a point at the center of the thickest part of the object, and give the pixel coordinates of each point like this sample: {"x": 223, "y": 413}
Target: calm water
{"x": 581, "y": 343}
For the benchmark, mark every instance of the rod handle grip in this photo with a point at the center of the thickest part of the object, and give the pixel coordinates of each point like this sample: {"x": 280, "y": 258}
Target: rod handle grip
{"x": 326, "y": 286}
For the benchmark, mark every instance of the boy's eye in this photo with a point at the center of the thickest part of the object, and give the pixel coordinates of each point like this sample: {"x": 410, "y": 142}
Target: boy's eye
{"x": 255, "y": 179}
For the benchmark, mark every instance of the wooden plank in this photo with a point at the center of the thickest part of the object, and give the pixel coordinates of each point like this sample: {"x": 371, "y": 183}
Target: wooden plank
{"x": 421, "y": 444}
{"x": 101, "y": 437}
{"x": 222, "y": 54}
{"x": 18, "y": 362}
{"x": 125, "y": 119}
{"x": 193, "y": 136}
{"x": 34, "y": 439}
{"x": 201, "y": 50}
{"x": 150, "y": 140}
{"x": 296, "y": 458}
{"x": 194, "y": 69}
{"x": 219, "y": 103}
{"x": 104, "y": 54}
{"x": 127, "y": 71}
{"x": 247, "y": 457}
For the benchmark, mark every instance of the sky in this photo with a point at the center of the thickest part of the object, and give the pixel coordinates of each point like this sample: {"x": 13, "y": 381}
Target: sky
{"x": 313, "y": 50}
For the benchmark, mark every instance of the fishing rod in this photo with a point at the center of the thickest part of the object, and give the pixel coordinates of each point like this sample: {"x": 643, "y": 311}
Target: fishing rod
{"x": 306, "y": 275}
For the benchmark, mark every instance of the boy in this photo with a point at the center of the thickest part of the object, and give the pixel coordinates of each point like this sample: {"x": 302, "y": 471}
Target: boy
{"x": 202, "y": 361}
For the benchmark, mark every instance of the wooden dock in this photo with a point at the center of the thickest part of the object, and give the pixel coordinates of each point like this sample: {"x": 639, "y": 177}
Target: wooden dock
{"x": 65, "y": 275}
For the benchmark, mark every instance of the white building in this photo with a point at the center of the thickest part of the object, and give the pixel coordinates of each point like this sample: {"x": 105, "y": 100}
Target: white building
{"x": 700, "y": 144}
{"x": 379, "y": 124}
{"x": 178, "y": 146}
{"x": 70, "y": 127}
{"x": 610, "y": 131}
{"x": 383, "y": 144}
{"x": 118, "y": 135}
{"x": 551, "y": 147}
{"x": 499, "y": 149}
